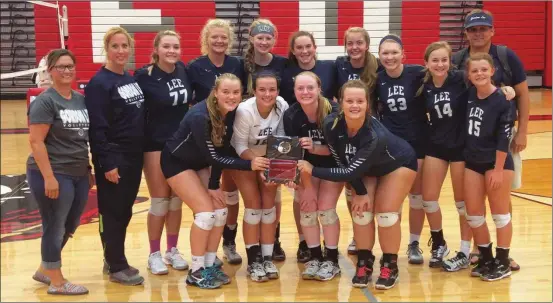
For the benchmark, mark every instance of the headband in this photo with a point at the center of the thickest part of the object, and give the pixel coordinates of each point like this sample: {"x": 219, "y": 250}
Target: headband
{"x": 263, "y": 29}
{"x": 391, "y": 37}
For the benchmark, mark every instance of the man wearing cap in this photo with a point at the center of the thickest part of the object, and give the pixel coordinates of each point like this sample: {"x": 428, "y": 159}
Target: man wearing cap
{"x": 509, "y": 71}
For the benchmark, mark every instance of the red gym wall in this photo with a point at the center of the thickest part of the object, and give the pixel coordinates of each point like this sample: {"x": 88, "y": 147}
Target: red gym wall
{"x": 419, "y": 22}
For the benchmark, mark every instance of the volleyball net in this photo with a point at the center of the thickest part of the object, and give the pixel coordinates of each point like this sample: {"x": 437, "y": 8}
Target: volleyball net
{"x": 38, "y": 73}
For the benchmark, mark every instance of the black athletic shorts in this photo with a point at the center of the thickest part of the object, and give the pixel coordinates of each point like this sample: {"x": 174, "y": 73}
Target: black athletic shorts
{"x": 482, "y": 168}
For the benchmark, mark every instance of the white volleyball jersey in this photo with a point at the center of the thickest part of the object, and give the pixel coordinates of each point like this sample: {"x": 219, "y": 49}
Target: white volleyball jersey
{"x": 251, "y": 130}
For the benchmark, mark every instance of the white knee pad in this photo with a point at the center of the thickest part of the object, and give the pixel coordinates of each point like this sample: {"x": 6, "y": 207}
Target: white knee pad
{"x": 252, "y": 216}
{"x": 268, "y": 215}
{"x": 430, "y": 206}
{"x": 220, "y": 217}
{"x": 205, "y": 220}
{"x": 387, "y": 219}
{"x": 231, "y": 197}
{"x": 475, "y": 221}
{"x": 308, "y": 218}
{"x": 175, "y": 204}
{"x": 278, "y": 196}
{"x": 415, "y": 201}
{"x": 328, "y": 217}
{"x": 365, "y": 220}
{"x": 501, "y": 220}
{"x": 348, "y": 194}
{"x": 159, "y": 206}
{"x": 460, "y": 207}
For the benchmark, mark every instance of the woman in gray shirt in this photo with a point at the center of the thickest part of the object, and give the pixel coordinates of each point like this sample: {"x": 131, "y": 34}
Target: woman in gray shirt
{"x": 58, "y": 169}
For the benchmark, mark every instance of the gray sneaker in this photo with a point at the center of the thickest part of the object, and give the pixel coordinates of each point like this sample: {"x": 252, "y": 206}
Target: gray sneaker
{"x": 438, "y": 255}
{"x": 126, "y": 277}
{"x": 311, "y": 269}
{"x": 414, "y": 253}
{"x": 231, "y": 255}
{"x": 460, "y": 261}
{"x": 105, "y": 269}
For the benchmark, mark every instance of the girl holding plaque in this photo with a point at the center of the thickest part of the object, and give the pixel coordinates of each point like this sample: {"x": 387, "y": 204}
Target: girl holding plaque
{"x": 317, "y": 198}
{"x": 192, "y": 161}
{"x": 256, "y": 119}
{"x": 363, "y": 147}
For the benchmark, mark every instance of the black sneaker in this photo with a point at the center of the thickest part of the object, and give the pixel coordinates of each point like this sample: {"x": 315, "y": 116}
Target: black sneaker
{"x": 303, "y": 253}
{"x": 498, "y": 271}
{"x": 481, "y": 268}
{"x": 363, "y": 275}
{"x": 388, "y": 276}
{"x": 278, "y": 252}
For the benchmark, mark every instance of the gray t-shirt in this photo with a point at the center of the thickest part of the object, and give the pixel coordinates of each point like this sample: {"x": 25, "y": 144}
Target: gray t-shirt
{"x": 66, "y": 141}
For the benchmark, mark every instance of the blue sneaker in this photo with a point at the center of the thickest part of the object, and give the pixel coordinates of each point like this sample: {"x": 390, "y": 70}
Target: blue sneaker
{"x": 203, "y": 278}
{"x": 218, "y": 274}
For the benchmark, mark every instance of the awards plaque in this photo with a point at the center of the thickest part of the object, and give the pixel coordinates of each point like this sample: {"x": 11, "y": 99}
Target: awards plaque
{"x": 284, "y": 153}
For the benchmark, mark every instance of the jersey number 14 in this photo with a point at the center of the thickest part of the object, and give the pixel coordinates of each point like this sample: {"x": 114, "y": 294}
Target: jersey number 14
{"x": 446, "y": 111}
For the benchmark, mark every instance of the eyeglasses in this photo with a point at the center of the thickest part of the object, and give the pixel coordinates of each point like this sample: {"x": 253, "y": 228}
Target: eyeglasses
{"x": 62, "y": 68}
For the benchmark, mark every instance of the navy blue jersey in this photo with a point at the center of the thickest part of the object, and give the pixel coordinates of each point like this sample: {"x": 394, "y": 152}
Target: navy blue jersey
{"x": 115, "y": 109}
{"x": 192, "y": 144}
{"x": 345, "y": 72}
{"x": 402, "y": 112}
{"x": 373, "y": 150}
{"x": 297, "y": 124}
{"x": 518, "y": 74}
{"x": 325, "y": 69}
{"x": 276, "y": 66}
{"x": 166, "y": 98}
{"x": 446, "y": 106}
{"x": 203, "y": 73}
{"x": 488, "y": 126}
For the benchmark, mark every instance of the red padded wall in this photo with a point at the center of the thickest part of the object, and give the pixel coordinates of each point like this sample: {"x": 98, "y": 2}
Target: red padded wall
{"x": 350, "y": 13}
{"x": 285, "y": 16}
{"x": 548, "y": 34}
{"x": 420, "y": 26}
{"x": 521, "y": 26}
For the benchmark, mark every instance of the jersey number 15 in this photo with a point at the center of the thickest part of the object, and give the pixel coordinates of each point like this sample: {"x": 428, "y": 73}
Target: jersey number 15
{"x": 474, "y": 128}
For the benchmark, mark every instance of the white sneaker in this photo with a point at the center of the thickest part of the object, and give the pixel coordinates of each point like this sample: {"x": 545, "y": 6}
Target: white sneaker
{"x": 270, "y": 269}
{"x": 352, "y": 247}
{"x": 257, "y": 272}
{"x": 311, "y": 269}
{"x": 327, "y": 271}
{"x": 175, "y": 259}
{"x": 156, "y": 265}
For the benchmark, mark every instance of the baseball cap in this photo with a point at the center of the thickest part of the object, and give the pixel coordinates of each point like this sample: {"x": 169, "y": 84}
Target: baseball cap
{"x": 479, "y": 19}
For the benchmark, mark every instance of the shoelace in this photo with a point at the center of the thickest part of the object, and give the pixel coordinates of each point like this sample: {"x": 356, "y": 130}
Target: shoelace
{"x": 327, "y": 266}
{"x": 362, "y": 271}
{"x": 269, "y": 264}
{"x": 257, "y": 267}
{"x": 385, "y": 272}
{"x": 458, "y": 258}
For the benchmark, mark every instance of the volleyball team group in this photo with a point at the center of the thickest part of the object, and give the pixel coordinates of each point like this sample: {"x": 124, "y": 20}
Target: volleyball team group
{"x": 377, "y": 129}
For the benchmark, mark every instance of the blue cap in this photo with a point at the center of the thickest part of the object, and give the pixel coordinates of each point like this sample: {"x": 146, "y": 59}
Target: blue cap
{"x": 479, "y": 19}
